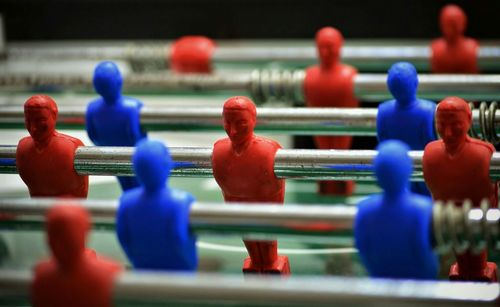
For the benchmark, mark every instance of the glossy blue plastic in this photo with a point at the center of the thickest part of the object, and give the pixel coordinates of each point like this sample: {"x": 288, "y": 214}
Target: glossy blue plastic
{"x": 392, "y": 229}
{"x": 406, "y": 118}
{"x": 112, "y": 119}
{"x": 152, "y": 221}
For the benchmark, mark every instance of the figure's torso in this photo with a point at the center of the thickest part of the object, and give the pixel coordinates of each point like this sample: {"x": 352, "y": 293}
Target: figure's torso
{"x": 50, "y": 172}
{"x": 390, "y": 232}
{"x": 153, "y": 224}
{"x": 461, "y": 58}
{"x": 332, "y": 88}
{"x": 248, "y": 176}
{"x": 462, "y": 176}
{"x": 115, "y": 124}
{"x": 413, "y": 125}
{"x": 90, "y": 285}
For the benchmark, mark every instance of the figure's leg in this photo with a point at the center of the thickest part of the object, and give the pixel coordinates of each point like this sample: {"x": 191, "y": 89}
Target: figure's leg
{"x": 128, "y": 182}
{"x": 471, "y": 267}
{"x": 264, "y": 258}
{"x": 342, "y": 188}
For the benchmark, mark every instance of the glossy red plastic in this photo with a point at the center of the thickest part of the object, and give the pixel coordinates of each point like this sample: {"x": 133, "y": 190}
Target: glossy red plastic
{"x": 457, "y": 168}
{"x": 454, "y": 52}
{"x": 243, "y": 166}
{"x": 73, "y": 276}
{"x": 192, "y": 54}
{"x": 331, "y": 84}
{"x": 45, "y": 158}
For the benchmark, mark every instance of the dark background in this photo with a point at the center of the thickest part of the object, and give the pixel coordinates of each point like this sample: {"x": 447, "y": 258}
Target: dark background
{"x": 229, "y": 19}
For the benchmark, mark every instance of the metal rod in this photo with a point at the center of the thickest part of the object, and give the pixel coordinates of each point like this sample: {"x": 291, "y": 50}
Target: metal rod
{"x": 196, "y": 161}
{"x": 454, "y": 227}
{"x": 296, "y": 121}
{"x": 369, "y": 55}
{"x": 155, "y": 287}
{"x": 270, "y": 85}
{"x": 232, "y": 218}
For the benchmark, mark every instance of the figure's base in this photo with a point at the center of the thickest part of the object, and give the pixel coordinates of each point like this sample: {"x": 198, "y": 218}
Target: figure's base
{"x": 340, "y": 188}
{"x": 488, "y": 274}
{"x": 280, "y": 267}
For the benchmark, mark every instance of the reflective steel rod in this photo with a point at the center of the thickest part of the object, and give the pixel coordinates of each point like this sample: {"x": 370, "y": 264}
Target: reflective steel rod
{"x": 149, "y": 287}
{"x": 268, "y": 85}
{"x": 196, "y": 162}
{"x": 372, "y": 54}
{"x": 296, "y": 121}
{"x": 453, "y": 227}
{"x": 205, "y": 217}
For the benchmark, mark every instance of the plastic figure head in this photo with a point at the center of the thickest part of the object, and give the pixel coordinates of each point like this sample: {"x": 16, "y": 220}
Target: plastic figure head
{"x": 239, "y": 116}
{"x": 67, "y": 228}
{"x": 454, "y": 118}
{"x": 402, "y": 81}
{"x": 152, "y": 164}
{"x": 40, "y": 115}
{"x": 329, "y": 42}
{"x": 108, "y": 81}
{"x": 393, "y": 166}
{"x": 453, "y": 22}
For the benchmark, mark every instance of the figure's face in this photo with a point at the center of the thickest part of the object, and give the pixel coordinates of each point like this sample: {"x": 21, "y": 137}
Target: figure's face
{"x": 40, "y": 123}
{"x": 328, "y": 50}
{"x": 453, "y": 126}
{"x": 239, "y": 125}
{"x": 67, "y": 242}
{"x": 452, "y": 25}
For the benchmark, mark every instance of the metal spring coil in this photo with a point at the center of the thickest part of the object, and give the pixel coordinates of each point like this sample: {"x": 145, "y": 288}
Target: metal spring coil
{"x": 465, "y": 228}
{"x": 277, "y": 85}
{"x": 487, "y": 131}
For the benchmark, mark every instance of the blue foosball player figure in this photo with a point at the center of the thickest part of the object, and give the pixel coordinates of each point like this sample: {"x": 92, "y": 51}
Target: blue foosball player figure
{"x": 392, "y": 229}
{"x": 112, "y": 119}
{"x": 406, "y": 118}
{"x": 153, "y": 220}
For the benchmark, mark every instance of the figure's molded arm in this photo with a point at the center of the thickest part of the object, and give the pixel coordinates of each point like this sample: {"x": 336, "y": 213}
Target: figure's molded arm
{"x": 137, "y": 132}
{"x": 89, "y": 126}
{"x": 121, "y": 226}
{"x": 381, "y": 133}
{"x": 429, "y": 132}
{"x": 183, "y": 229}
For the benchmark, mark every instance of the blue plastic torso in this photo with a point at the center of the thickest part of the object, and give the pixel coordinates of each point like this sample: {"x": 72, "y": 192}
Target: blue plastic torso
{"x": 394, "y": 238}
{"x": 413, "y": 125}
{"x": 154, "y": 230}
{"x": 114, "y": 124}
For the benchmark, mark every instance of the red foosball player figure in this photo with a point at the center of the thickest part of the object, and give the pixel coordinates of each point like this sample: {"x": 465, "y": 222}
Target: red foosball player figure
{"x": 192, "y": 54}
{"x": 331, "y": 84}
{"x": 74, "y": 276}
{"x": 45, "y": 159}
{"x": 243, "y": 166}
{"x": 456, "y": 168}
{"x": 454, "y": 53}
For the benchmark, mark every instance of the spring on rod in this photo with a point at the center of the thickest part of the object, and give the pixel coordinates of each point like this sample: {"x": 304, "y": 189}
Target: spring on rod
{"x": 461, "y": 228}
{"x": 486, "y": 122}
{"x": 277, "y": 85}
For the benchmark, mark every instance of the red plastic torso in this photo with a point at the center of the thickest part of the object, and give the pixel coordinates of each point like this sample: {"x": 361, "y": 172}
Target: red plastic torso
{"x": 248, "y": 176}
{"x": 192, "y": 54}
{"x": 457, "y": 58}
{"x": 50, "y": 171}
{"x": 332, "y": 88}
{"x": 90, "y": 284}
{"x": 463, "y": 176}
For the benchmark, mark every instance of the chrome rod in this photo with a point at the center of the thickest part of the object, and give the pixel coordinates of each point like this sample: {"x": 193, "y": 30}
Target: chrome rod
{"x": 154, "y": 287}
{"x": 297, "y": 121}
{"x": 454, "y": 227}
{"x": 196, "y": 162}
{"x": 373, "y": 54}
{"x": 269, "y": 85}
{"x": 205, "y": 217}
